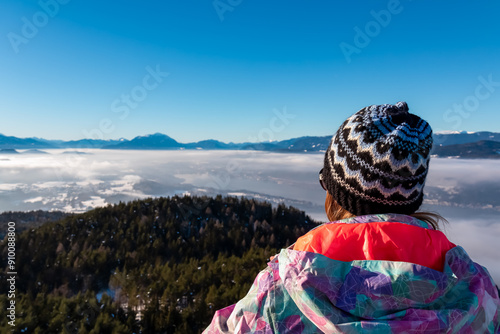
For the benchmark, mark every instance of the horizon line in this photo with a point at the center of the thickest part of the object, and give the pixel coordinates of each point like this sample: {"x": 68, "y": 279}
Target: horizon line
{"x": 442, "y": 132}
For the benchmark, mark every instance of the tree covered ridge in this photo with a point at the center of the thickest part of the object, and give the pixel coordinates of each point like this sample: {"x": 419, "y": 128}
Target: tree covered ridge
{"x": 26, "y": 220}
{"x": 173, "y": 260}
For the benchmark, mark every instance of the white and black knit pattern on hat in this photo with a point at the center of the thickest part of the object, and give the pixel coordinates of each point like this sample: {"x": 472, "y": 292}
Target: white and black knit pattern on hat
{"x": 377, "y": 161}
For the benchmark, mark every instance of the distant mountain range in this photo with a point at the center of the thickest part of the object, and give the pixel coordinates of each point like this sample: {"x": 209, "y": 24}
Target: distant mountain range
{"x": 9, "y": 142}
{"x": 460, "y": 144}
{"x": 464, "y": 137}
{"x": 484, "y": 149}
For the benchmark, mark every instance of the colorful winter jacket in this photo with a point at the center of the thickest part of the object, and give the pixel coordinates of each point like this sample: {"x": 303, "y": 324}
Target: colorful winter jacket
{"x": 308, "y": 288}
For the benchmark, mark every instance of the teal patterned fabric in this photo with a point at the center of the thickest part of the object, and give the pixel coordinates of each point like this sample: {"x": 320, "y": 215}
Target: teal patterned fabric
{"x": 303, "y": 292}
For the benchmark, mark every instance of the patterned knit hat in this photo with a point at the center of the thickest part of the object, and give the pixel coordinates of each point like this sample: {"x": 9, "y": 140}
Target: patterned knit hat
{"x": 378, "y": 160}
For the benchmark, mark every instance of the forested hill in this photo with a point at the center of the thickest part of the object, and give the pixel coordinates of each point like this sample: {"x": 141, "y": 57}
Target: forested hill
{"x": 26, "y": 220}
{"x": 165, "y": 265}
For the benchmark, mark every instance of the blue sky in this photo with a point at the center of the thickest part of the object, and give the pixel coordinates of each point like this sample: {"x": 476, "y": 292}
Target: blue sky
{"x": 241, "y": 70}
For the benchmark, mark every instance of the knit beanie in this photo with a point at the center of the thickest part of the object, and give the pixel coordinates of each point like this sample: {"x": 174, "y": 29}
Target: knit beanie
{"x": 378, "y": 160}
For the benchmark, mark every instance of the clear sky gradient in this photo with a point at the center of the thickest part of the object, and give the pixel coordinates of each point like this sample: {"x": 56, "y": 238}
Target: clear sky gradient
{"x": 71, "y": 69}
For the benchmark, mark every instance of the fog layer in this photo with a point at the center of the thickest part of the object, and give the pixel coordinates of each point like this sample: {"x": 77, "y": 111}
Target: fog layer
{"x": 466, "y": 192}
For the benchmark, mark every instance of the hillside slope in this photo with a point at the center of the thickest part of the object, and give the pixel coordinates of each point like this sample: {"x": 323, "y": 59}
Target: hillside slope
{"x": 176, "y": 260}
